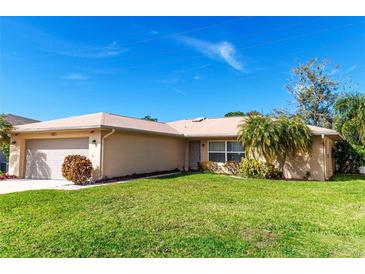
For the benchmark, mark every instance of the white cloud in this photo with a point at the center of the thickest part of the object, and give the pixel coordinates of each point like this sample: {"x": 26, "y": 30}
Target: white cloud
{"x": 350, "y": 69}
{"x": 154, "y": 32}
{"x": 51, "y": 43}
{"x": 223, "y": 50}
{"x": 178, "y": 90}
{"x": 87, "y": 51}
{"x": 196, "y": 77}
{"x": 341, "y": 71}
{"x": 76, "y": 76}
{"x": 169, "y": 80}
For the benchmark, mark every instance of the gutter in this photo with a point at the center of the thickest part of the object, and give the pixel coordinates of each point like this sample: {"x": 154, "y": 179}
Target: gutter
{"x": 102, "y": 152}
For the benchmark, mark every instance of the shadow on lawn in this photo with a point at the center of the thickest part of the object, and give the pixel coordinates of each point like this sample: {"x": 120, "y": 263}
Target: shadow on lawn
{"x": 336, "y": 178}
{"x": 347, "y": 177}
{"x": 177, "y": 175}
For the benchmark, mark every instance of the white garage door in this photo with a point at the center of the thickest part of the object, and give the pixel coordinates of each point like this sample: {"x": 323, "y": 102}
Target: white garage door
{"x": 44, "y": 157}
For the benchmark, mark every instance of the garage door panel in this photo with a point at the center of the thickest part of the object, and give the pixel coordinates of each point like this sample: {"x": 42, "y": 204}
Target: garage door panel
{"x": 44, "y": 157}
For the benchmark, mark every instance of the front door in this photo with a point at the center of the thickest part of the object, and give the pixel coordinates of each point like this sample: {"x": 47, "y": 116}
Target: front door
{"x": 194, "y": 155}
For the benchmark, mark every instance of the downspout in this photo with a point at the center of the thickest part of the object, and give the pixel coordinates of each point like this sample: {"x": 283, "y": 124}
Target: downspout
{"x": 324, "y": 157}
{"x": 102, "y": 153}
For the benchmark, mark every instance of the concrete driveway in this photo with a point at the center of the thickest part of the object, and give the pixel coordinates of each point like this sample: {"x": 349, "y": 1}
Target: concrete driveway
{"x": 17, "y": 185}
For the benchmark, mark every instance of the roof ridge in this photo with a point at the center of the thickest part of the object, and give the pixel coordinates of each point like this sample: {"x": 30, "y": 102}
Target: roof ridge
{"x": 136, "y": 118}
{"x": 208, "y": 118}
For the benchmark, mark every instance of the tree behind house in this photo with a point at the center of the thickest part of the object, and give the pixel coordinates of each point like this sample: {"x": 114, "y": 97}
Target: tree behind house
{"x": 350, "y": 120}
{"x": 314, "y": 92}
{"x": 240, "y": 113}
{"x": 5, "y": 128}
{"x": 149, "y": 118}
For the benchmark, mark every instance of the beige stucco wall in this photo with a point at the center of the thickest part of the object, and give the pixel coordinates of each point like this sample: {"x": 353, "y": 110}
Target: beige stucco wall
{"x": 319, "y": 163}
{"x": 127, "y": 153}
{"x": 298, "y": 165}
{"x": 17, "y": 150}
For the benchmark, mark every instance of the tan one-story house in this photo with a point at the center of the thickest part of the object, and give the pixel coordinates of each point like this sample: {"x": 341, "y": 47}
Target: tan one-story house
{"x": 119, "y": 145}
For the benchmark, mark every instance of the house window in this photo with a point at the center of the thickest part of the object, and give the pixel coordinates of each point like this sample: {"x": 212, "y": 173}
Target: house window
{"x": 217, "y": 151}
{"x": 223, "y": 151}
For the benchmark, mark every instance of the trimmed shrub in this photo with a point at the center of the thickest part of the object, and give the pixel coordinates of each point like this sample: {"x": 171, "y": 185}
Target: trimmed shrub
{"x": 253, "y": 168}
{"x": 232, "y": 167}
{"x": 209, "y": 166}
{"x": 77, "y": 168}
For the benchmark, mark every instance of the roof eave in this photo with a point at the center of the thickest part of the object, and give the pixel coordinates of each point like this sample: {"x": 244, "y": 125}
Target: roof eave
{"x": 211, "y": 135}
{"x": 39, "y": 130}
{"x": 334, "y": 136}
{"x": 27, "y": 130}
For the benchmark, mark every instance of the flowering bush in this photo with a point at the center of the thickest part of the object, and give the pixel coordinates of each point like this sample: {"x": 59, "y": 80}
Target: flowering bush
{"x": 209, "y": 166}
{"x": 77, "y": 168}
{"x": 4, "y": 176}
{"x": 252, "y": 168}
{"x": 232, "y": 167}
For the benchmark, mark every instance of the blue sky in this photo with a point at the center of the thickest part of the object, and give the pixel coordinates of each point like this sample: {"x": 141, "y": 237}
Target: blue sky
{"x": 167, "y": 67}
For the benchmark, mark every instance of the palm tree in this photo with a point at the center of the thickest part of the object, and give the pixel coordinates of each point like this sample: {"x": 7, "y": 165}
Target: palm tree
{"x": 350, "y": 117}
{"x": 350, "y": 122}
{"x": 5, "y": 128}
{"x": 295, "y": 137}
{"x": 274, "y": 139}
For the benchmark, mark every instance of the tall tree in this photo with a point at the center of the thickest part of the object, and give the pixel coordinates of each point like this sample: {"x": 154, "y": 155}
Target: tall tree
{"x": 274, "y": 139}
{"x": 314, "y": 91}
{"x": 5, "y": 128}
{"x": 149, "y": 118}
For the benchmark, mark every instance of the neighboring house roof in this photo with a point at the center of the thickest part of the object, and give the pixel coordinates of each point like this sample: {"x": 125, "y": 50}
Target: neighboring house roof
{"x": 14, "y": 120}
{"x": 17, "y": 120}
{"x": 101, "y": 120}
{"x": 200, "y": 127}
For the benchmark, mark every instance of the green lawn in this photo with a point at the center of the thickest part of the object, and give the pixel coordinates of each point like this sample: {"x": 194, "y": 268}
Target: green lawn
{"x": 197, "y": 215}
